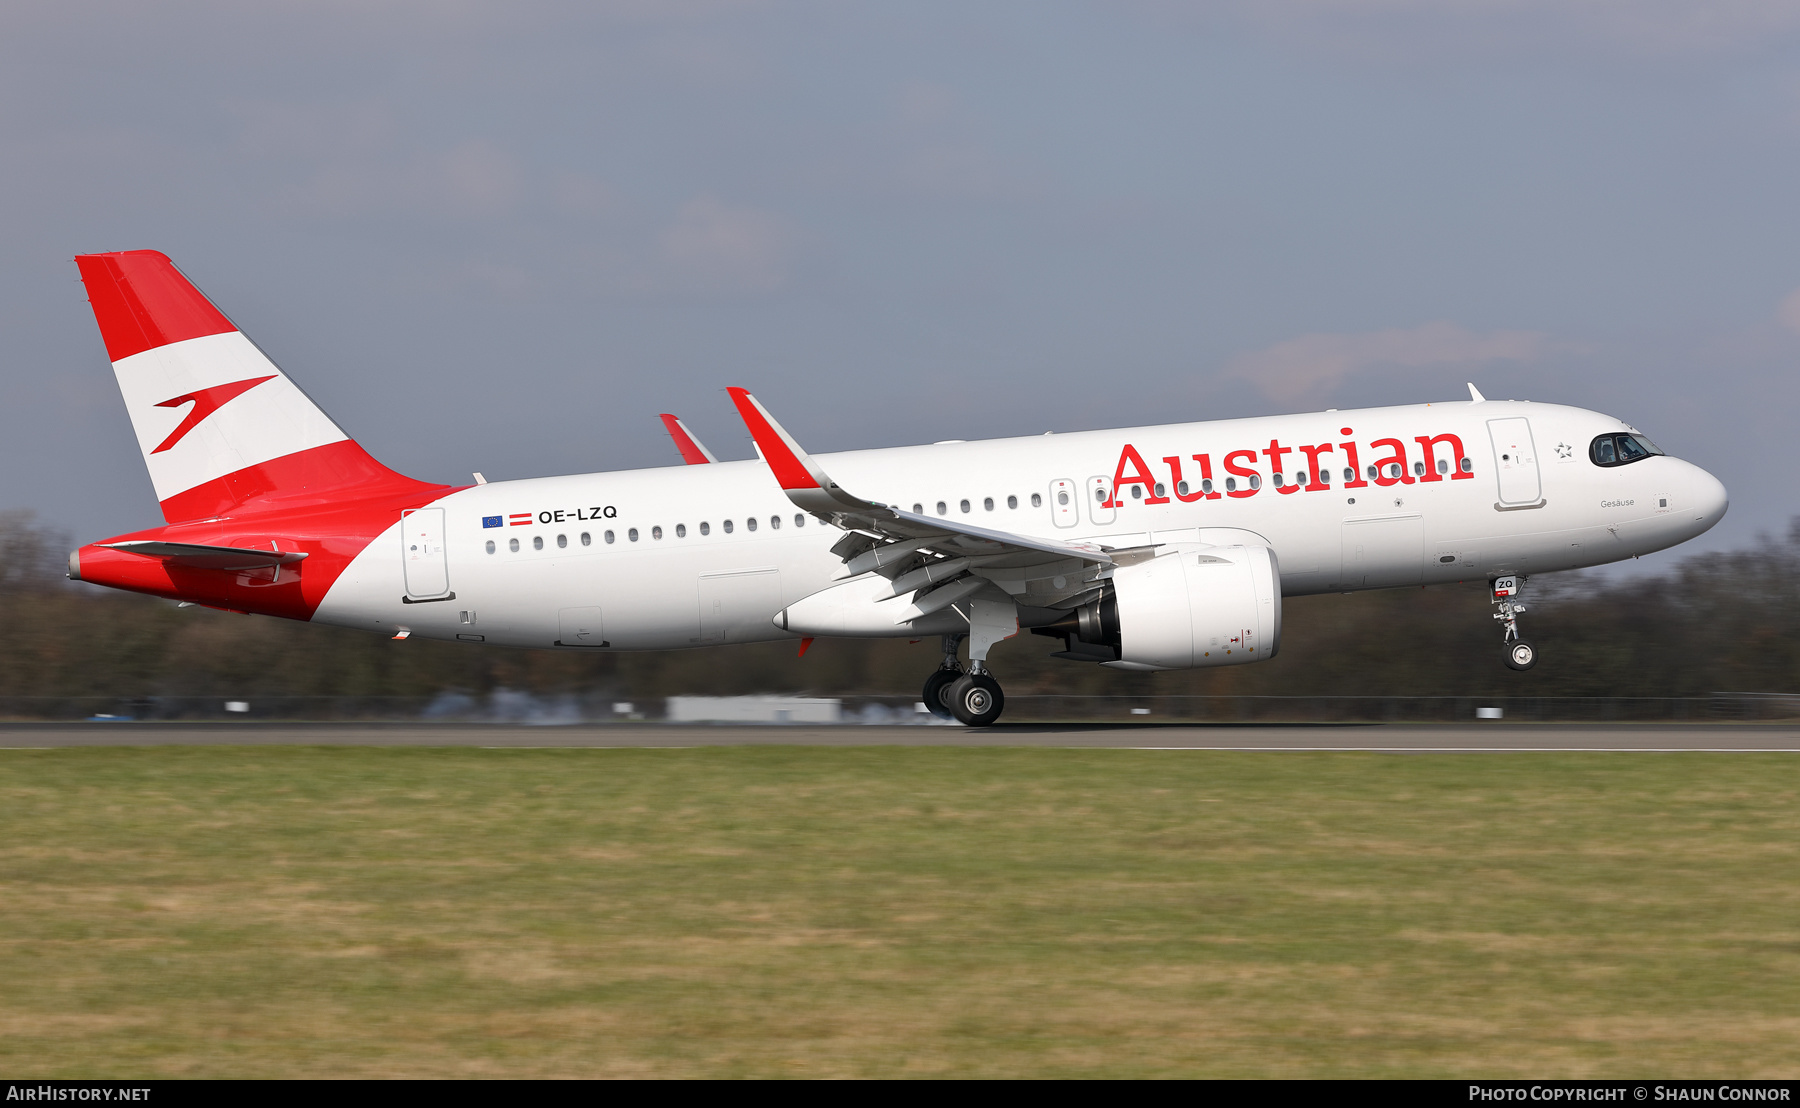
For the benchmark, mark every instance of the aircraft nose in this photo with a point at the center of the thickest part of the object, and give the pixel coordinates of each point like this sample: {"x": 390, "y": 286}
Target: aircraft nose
{"x": 1707, "y": 498}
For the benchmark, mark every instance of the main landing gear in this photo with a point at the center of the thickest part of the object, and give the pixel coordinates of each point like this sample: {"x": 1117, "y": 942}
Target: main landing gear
{"x": 973, "y": 699}
{"x": 1520, "y": 655}
{"x": 937, "y": 687}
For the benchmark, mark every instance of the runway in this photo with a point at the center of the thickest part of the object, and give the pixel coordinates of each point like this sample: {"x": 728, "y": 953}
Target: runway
{"x": 1385, "y": 738}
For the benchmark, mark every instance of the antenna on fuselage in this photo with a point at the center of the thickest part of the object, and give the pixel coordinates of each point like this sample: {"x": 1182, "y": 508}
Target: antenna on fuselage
{"x": 1475, "y": 396}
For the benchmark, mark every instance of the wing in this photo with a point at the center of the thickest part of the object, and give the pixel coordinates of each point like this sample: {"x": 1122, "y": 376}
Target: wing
{"x": 198, "y": 556}
{"x": 693, "y": 452}
{"x": 926, "y": 555}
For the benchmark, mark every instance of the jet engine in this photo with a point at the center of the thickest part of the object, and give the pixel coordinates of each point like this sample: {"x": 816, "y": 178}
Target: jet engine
{"x": 1190, "y": 607}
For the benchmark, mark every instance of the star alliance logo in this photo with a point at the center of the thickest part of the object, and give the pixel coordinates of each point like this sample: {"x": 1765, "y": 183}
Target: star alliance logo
{"x": 1564, "y": 451}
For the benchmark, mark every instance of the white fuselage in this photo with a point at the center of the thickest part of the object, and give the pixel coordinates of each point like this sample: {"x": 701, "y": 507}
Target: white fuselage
{"x": 733, "y": 551}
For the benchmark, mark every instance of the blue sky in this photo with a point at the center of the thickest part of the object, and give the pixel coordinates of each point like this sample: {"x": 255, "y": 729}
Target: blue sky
{"x": 504, "y": 237}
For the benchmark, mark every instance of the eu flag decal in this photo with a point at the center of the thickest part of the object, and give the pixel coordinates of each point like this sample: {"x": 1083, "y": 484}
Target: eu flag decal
{"x": 490, "y": 521}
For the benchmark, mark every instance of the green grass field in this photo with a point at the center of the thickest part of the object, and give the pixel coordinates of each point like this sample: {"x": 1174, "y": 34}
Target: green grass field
{"x": 899, "y": 911}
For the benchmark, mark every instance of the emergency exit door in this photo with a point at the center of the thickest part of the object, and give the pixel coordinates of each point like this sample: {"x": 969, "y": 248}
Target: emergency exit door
{"x": 1064, "y": 512}
{"x": 422, "y": 550}
{"x": 1515, "y": 462}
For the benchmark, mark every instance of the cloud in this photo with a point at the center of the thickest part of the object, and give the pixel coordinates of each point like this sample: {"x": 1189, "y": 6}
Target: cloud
{"x": 1789, "y": 311}
{"x": 366, "y": 176}
{"x": 716, "y": 245}
{"x": 1304, "y": 367}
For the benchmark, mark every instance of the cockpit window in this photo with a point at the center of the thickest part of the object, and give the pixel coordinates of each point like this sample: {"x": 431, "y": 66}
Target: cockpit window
{"x": 1619, "y": 450}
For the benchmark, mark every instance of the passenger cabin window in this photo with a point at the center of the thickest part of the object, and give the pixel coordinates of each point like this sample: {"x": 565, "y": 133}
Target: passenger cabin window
{"x": 727, "y": 526}
{"x": 632, "y": 534}
{"x": 587, "y": 539}
{"x": 706, "y": 528}
{"x": 1621, "y": 450}
{"x": 918, "y": 509}
{"x": 1468, "y": 466}
{"x": 799, "y": 519}
{"x": 562, "y": 541}
{"x": 942, "y": 510}
{"x": 490, "y": 546}
{"x": 750, "y": 523}
{"x": 609, "y": 538}
{"x": 775, "y": 522}
{"x": 1037, "y": 501}
{"x": 537, "y": 542}
{"x": 987, "y": 504}
{"x": 513, "y": 545}
{"x": 964, "y": 505}
{"x": 656, "y": 532}
{"x": 681, "y": 530}
{"x": 1012, "y": 502}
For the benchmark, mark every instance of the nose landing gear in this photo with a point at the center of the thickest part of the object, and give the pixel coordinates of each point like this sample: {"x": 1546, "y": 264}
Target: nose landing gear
{"x": 1520, "y": 655}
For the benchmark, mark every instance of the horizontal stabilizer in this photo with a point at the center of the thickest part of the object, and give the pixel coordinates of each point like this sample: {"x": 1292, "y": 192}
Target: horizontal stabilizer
{"x": 198, "y": 556}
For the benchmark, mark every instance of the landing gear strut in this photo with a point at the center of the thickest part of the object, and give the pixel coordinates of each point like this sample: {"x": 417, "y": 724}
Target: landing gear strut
{"x": 1520, "y": 655}
{"x": 974, "y": 698}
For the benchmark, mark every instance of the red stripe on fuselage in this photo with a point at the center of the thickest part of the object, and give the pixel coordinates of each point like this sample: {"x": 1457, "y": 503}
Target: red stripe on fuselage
{"x": 329, "y": 503}
{"x": 331, "y": 535}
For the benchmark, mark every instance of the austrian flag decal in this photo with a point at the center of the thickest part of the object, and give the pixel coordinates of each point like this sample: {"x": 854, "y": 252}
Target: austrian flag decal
{"x": 520, "y": 519}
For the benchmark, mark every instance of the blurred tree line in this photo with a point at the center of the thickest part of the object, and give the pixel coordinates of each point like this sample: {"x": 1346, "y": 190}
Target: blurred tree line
{"x": 1712, "y": 622}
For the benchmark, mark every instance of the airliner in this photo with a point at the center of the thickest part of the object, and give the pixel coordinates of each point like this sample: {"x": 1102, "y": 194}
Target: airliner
{"x": 1162, "y": 547}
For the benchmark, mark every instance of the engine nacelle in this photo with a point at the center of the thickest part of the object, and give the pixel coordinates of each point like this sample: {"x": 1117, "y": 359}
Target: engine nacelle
{"x": 1197, "y": 606}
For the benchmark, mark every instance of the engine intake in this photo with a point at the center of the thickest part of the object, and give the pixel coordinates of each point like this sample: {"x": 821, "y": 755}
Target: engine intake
{"x": 1192, "y": 607}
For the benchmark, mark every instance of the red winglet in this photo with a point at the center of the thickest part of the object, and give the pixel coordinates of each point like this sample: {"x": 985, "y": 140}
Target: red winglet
{"x": 778, "y": 450}
{"x": 691, "y": 452}
{"x": 141, "y": 301}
